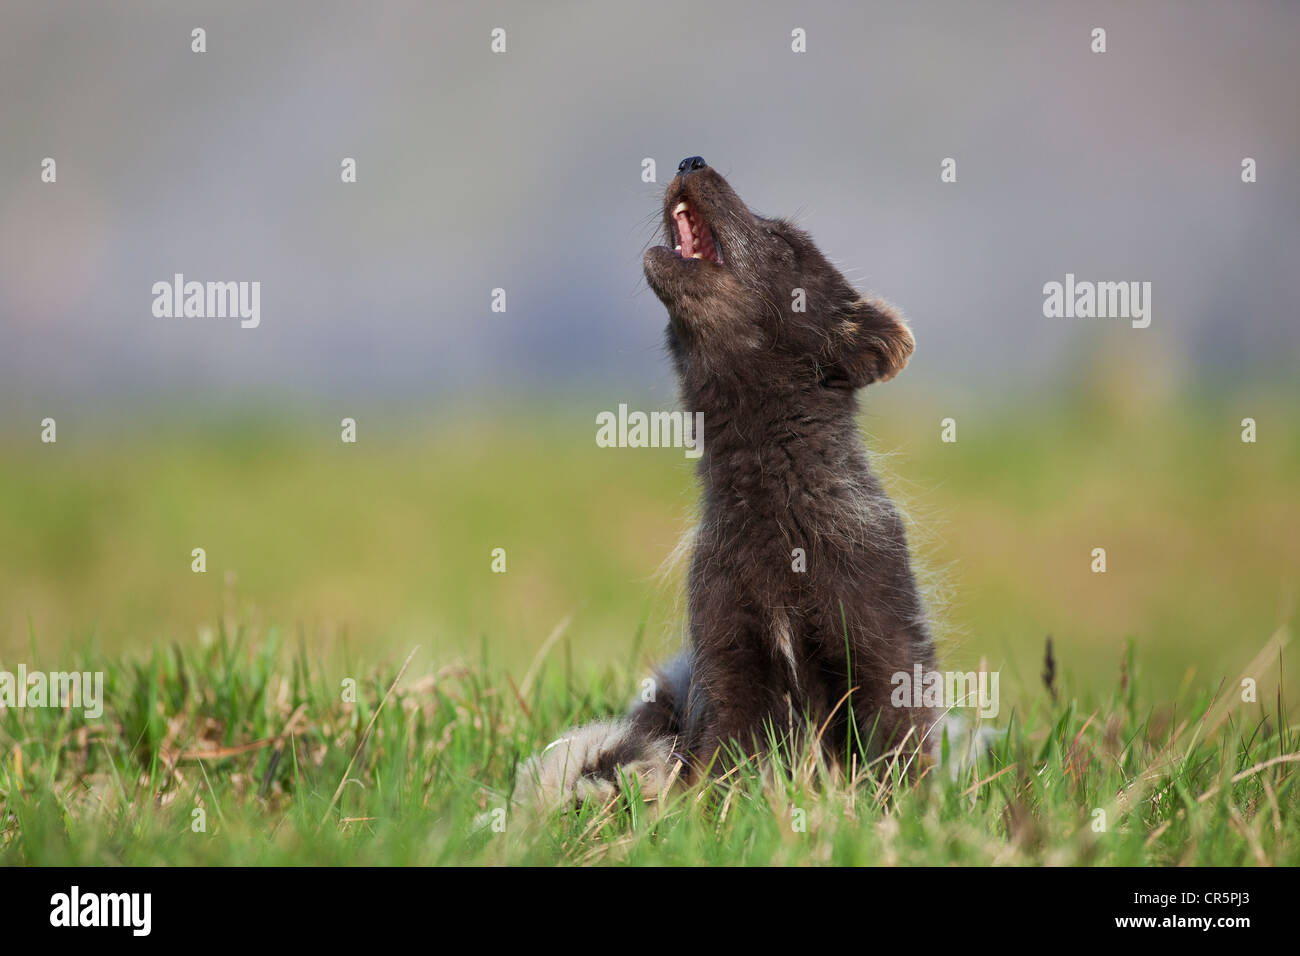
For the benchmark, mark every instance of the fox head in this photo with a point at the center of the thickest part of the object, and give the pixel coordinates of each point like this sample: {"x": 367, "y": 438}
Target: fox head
{"x": 753, "y": 302}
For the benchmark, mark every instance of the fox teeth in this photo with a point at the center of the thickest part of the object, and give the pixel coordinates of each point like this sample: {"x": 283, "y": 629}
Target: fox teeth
{"x": 681, "y": 208}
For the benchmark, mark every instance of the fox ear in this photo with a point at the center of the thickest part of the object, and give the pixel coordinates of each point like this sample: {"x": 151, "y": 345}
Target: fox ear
{"x": 873, "y": 344}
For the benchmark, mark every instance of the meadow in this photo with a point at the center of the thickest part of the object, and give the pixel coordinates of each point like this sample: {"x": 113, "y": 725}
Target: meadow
{"x": 229, "y": 733}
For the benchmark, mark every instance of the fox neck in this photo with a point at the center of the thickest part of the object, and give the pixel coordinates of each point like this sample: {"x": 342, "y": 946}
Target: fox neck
{"x": 748, "y": 433}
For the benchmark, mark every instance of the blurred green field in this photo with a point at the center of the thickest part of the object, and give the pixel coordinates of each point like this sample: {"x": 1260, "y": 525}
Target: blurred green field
{"x": 329, "y": 561}
{"x": 386, "y": 544}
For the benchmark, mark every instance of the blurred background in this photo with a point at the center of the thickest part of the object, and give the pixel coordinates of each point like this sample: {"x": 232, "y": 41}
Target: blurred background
{"x": 523, "y": 171}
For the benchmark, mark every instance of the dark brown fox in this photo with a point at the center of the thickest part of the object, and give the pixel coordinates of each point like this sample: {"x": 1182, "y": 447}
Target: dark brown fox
{"x": 802, "y": 600}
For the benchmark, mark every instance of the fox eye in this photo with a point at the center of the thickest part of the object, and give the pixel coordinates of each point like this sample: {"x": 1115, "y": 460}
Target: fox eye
{"x": 780, "y": 238}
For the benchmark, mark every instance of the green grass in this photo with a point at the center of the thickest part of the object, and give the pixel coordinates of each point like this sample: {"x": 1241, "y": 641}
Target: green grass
{"x": 328, "y": 562}
{"x": 1190, "y": 781}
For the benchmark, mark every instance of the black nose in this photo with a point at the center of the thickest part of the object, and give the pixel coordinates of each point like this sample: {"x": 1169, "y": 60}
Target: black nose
{"x": 690, "y": 163}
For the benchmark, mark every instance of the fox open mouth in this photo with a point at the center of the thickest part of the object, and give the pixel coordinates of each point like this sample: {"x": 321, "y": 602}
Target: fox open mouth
{"x": 694, "y": 237}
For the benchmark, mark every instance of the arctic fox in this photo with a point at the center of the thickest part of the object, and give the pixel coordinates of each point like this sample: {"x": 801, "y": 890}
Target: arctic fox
{"x": 802, "y": 601}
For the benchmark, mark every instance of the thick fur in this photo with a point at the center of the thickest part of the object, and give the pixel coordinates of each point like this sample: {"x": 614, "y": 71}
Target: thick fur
{"x": 593, "y": 762}
{"x": 783, "y": 472}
